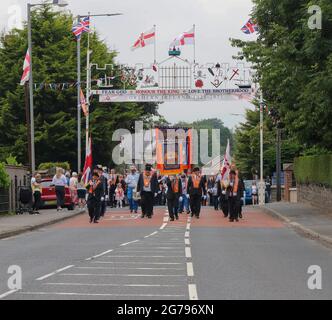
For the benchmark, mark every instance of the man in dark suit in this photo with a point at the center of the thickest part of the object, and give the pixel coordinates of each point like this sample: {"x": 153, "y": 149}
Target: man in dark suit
{"x": 148, "y": 188}
{"x": 174, "y": 190}
{"x": 95, "y": 190}
{"x": 196, "y": 189}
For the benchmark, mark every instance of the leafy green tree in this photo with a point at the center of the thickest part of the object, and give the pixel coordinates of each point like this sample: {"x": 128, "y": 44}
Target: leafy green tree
{"x": 54, "y": 61}
{"x": 294, "y": 68}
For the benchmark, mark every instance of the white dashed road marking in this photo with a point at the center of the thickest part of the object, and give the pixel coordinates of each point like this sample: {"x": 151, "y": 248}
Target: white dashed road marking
{"x": 55, "y": 272}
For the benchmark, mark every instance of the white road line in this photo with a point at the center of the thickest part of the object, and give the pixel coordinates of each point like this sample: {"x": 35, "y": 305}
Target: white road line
{"x": 99, "y": 255}
{"x": 127, "y": 268}
{"x": 100, "y": 294}
{"x": 111, "y": 285}
{"x": 120, "y": 275}
{"x": 186, "y": 235}
{"x": 190, "y": 269}
{"x": 192, "y": 292}
{"x": 55, "y": 272}
{"x": 145, "y": 256}
{"x": 138, "y": 262}
{"x": 151, "y": 235}
{"x": 165, "y": 219}
{"x": 188, "y": 226}
{"x": 188, "y": 252}
{"x": 163, "y": 226}
{"x": 187, "y": 242}
{"x": 125, "y": 244}
{"x": 6, "y": 294}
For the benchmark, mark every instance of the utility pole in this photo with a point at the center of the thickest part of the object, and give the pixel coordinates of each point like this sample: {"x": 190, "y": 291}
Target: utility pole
{"x": 261, "y": 188}
{"x": 27, "y": 118}
{"x": 278, "y": 163}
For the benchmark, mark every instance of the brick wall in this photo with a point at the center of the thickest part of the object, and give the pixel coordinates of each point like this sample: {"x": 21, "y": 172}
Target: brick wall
{"x": 317, "y": 196}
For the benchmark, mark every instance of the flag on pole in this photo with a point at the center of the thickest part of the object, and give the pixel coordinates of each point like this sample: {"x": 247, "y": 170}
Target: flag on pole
{"x": 184, "y": 38}
{"x": 145, "y": 38}
{"x": 84, "y": 105}
{"x": 250, "y": 27}
{"x": 226, "y": 165}
{"x": 26, "y": 69}
{"x": 82, "y": 26}
{"x": 87, "y": 171}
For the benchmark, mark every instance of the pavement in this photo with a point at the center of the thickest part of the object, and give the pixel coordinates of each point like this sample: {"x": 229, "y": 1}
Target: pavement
{"x": 12, "y": 225}
{"x": 129, "y": 258}
{"x": 305, "y": 219}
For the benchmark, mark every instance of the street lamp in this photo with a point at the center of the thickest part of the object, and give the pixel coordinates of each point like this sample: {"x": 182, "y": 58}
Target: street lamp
{"x": 59, "y": 3}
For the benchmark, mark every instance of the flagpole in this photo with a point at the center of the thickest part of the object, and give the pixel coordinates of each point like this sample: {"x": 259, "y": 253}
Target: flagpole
{"x": 32, "y": 125}
{"x": 79, "y": 151}
{"x": 87, "y": 120}
{"x": 155, "y": 45}
{"x": 194, "y": 43}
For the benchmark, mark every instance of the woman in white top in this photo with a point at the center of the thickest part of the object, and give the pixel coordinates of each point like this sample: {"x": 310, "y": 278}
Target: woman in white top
{"x": 59, "y": 181}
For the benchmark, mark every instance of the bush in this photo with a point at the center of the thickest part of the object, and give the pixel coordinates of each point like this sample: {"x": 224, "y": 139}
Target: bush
{"x": 4, "y": 177}
{"x": 52, "y": 165}
{"x": 314, "y": 169}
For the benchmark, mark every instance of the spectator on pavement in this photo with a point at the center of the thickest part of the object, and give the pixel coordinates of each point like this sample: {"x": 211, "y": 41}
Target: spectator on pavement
{"x": 81, "y": 192}
{"x": 73, "y": 183}
{"x": 60, "y": 182}
{"x": 254, "y": 193}
{"x": 119, "y": 195}
{"x": 37, "y": 192}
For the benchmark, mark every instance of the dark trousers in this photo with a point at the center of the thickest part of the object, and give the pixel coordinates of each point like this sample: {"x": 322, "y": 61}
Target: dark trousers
{"x": 102, "y": 208}
{"x": 233, "y": 208}
{"x": 37, "y": 200}
{"x": 195, "y": 204}
{"x": 173, "y": 207}
{"x": 147, "y": 201}
{"x": 60, "y": 196}
{"x": 216, "y": 202}
{"x": 224, "y": 205}
{"x": 94, "y": 208}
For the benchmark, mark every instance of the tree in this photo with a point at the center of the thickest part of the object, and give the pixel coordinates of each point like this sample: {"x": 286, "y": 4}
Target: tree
{"x": 54, "y": 61}
{"x": 247, "y": 151}
{"x": 294, "y": 68}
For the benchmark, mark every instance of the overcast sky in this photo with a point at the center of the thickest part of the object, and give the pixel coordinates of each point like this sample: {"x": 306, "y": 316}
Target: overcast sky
{"x": 216, "y": 21}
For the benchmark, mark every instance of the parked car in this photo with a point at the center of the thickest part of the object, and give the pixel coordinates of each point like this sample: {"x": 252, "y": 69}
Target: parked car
{"x": 49, "y": 196}
{"x": 248, "y": 194}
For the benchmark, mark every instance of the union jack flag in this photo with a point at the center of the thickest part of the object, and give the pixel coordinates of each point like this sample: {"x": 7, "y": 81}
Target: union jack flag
{"x": 82, "y": 26}
{"x": 250, "y": 27}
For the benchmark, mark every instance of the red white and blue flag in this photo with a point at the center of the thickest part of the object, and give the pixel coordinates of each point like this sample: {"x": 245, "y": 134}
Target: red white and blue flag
{"x": 87, "y": 171}
{"x": 26, "y": 69}
{"x": 81, "y": 27}
{"x": 250, "y": 27}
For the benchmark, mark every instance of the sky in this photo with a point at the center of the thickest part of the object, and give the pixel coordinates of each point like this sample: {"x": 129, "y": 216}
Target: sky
{"x": 216, "y": 21}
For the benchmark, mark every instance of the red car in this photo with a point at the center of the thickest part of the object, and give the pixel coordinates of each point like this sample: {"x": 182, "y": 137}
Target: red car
{"x": 49, "y": 197}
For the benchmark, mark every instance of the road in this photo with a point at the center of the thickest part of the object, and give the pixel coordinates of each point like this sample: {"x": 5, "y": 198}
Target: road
{"x": 126, "y": 257}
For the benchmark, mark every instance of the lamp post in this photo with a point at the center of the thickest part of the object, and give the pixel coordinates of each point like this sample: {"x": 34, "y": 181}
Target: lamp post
{"x": 87, "y": 88}
{"x": 58, "y": 3}
{"x": 261, "y": 185}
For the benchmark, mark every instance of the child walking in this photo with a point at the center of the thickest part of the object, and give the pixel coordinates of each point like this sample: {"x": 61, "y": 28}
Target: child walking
{"x": 119, "y": 195}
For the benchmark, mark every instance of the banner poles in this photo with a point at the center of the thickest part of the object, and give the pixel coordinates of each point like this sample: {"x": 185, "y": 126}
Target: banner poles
{"x": 87, "y": 118}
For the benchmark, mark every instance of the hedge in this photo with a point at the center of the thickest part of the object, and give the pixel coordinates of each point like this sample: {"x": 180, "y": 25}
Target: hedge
{"x": 52, "y": 165}
{"x": 314, "y": 170}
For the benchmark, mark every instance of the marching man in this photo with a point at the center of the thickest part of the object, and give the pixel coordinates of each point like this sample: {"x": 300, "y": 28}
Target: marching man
{"x": 196, "y": 188}
{"x": 148, "y": 187}
{"x": 174, "y": 190}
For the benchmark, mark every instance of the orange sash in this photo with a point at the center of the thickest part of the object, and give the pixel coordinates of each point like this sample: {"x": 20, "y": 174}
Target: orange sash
{"x": 147, "y": 180}
{"x": 196, "y": 181}
{"x": 175, "y": 186}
